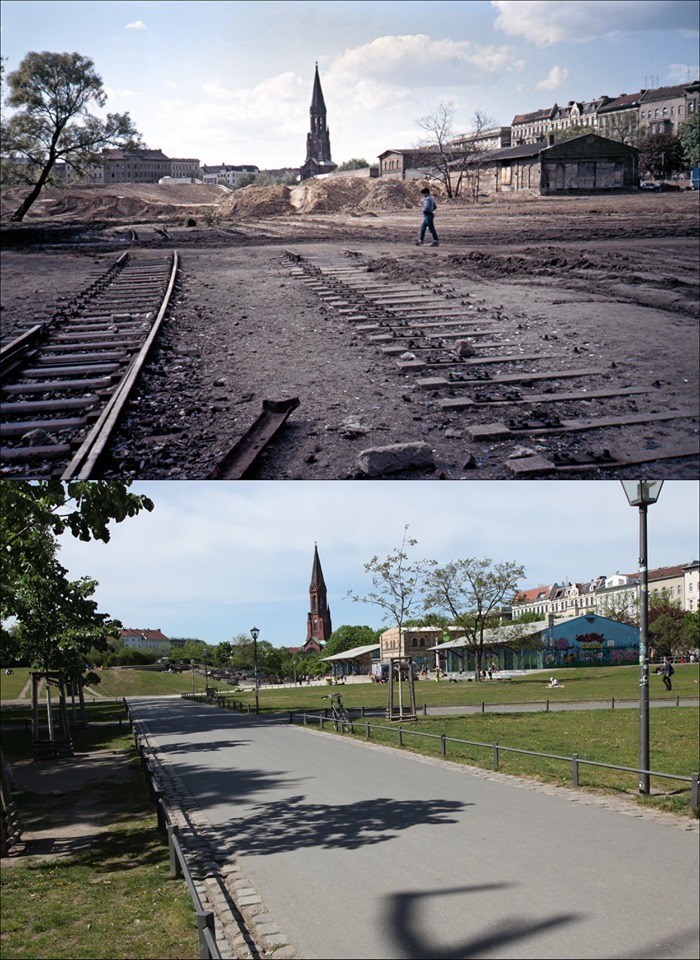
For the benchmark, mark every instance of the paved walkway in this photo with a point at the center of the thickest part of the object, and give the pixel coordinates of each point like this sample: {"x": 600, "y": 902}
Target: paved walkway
{"x": 332, "y": 848}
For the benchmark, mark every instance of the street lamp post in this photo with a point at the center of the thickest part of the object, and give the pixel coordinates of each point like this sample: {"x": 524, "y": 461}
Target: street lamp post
{"x": 255, "y": 633}
{"x": 641, "y": 493}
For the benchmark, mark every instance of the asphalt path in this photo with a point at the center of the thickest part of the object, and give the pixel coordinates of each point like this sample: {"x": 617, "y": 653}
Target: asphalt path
{"x": 361, "y": 851}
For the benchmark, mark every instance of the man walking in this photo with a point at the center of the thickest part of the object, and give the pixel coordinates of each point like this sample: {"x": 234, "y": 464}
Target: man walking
{"x": 429, "y": 208}
{"x": 667, "y": 672}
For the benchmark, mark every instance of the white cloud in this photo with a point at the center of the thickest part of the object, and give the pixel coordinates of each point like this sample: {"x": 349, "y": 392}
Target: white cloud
{"x": 135, "y": 25}
{"x": 544, "y": 22}
{"x": 416, "y": 60}
{"x": 554, "y": 79}
{"x": 124, "y": 94}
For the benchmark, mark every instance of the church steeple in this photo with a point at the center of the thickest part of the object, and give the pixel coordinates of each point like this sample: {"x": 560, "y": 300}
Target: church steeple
{"x": 318, "y": 626}
{"x": 318, "y": 142}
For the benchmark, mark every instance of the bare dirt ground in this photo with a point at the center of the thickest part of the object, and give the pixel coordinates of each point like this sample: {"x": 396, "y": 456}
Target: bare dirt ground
{"x": 605, "y": 282}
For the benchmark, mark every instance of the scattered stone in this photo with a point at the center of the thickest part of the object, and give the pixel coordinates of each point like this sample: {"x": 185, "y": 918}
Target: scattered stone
{"x": 378, "y": 461}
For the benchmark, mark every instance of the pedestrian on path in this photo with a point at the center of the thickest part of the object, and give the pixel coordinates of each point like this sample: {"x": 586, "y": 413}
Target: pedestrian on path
{"x": 429, "y": 208}
{"x": 667, "y": 672}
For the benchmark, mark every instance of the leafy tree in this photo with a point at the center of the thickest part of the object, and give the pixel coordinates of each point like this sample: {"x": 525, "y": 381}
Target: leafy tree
{"x": 529, "y": 617}
{"x": 667, "y": 632}
{"x": 689, "y": 136}
{"x": 622, "y": 606}
{"x": 690, "y": 629}
{"x": 346, "y": 637}
{"x": 660, "y": 154}
{"x": 431, "y": 619}
{"x": 34, "y": 513}
{"x": 52, "y": 94}
{"x": 472, "y": 592}
{"x": 353, "y": 164}
{"x": 58, "y": 624}
{"x": 396, "y": 582}
{"x": 223, "y": 653}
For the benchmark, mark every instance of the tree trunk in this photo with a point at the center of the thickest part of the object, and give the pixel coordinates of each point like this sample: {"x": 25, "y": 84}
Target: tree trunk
{"x": 28, "y": 201}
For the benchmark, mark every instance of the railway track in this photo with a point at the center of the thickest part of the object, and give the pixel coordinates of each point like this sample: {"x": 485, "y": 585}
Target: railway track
{"x": 65, "y": 380}
{"x": 473, "y": 365}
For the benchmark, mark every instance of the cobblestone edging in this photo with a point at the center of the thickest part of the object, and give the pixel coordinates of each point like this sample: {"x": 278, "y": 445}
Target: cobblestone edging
{"x": 244, "y": 929}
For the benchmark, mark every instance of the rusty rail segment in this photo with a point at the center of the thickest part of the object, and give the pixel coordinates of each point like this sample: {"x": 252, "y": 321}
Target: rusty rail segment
{"x": 438, "y": 337}
{"x": 65, "y": 382}
{"x": 243, "y": 454}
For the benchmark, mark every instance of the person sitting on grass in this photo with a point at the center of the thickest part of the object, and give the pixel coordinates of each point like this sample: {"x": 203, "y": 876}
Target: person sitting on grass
{"x": 554, "y": 684}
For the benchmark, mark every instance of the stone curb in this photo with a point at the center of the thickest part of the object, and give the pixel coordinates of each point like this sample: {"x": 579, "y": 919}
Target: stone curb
{"x": 244, "y": 929}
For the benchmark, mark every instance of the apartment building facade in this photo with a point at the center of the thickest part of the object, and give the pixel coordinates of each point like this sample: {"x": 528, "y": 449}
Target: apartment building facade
{"x": 619, "y": 591}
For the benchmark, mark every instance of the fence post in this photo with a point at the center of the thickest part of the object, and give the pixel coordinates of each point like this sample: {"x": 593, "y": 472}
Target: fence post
{"x": 399, "y": 732}
{"x": 495, "y": 756}
{"x": 547, "y": 705}
{"x": 678, "y": 701}
{"x": 205, "y": 921}
{"x": 367, "y": 731}
{"x": 443, "y": 745}
{"x": 612, "y": 703}
{"x": 694, "y": 793}
{"x": 175, "y": 868}
{"x": 162, "y": 823}
{"x": 574, "y": 770}
{"x": 425, "y": 709}
{"x": 483, "y": 707}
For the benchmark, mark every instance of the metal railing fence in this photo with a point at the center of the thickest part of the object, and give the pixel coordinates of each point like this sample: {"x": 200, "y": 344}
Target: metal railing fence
{"x": 208, "y": 948}
{"x": 576, "y": 762}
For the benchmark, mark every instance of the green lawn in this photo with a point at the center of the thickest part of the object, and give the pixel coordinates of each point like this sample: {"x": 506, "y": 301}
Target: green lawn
{"x": 586, "y": 683}
{"x": 115, "y": 899}
{"x": 11, "y": 687}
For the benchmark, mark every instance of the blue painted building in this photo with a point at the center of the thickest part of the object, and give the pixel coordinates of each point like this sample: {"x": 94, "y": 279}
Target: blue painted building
{"x": 583, "y": 641}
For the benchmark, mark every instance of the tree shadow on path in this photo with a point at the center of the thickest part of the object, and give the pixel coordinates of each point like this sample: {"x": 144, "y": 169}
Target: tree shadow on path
{"x": 287, "y": 825}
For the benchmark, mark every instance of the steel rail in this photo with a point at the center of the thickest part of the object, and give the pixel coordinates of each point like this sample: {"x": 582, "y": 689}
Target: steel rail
{"x": 92, "y": 448}
{"x": 386, "y": 313}
{"x": 78, "y": 360}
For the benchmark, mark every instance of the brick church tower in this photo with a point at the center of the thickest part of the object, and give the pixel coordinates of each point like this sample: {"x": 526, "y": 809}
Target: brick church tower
{"x": 318, "y": 626}
{"x": 318, "y": 141}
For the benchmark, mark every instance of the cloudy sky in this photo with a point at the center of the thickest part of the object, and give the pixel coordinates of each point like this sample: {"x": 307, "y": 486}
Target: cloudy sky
{"x": 231, "y": 81}
{"x": 215, "y": 559}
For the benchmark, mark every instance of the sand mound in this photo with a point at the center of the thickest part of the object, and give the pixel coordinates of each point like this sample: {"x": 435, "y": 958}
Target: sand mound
{"x": 141, "y": 202}
{"x": 252, "y": 202}
{"x": 333, "y": 195}
{"x": 135, "y": 201}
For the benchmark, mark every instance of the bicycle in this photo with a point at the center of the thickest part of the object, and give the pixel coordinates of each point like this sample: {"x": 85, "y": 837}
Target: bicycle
{"x": 339, "y": 715}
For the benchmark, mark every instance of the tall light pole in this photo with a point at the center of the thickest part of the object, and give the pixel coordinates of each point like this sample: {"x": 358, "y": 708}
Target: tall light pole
{"x": 255, "y": 633}
{"x": 641, "y": 493}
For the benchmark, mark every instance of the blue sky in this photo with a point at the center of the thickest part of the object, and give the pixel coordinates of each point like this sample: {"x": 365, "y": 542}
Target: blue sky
{"x": 231, "y": 81}
{"x": 215, "y": 559}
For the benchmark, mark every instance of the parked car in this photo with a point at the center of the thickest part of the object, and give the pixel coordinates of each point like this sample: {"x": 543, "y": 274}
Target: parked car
{"x": 649, "y": 185}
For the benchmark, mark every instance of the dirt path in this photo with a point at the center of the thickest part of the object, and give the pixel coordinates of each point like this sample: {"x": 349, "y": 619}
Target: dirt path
{"x": 607, "y": 284}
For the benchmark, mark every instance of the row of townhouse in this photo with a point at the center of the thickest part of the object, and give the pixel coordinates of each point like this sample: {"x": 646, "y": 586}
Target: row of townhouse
{"x": 681, "y": 584}
{"x": 626, "y": 117}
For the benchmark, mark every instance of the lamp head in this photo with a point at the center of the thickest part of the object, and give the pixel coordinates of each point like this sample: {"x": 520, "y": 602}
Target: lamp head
{"x": 255, "y": 633}
{"x": 640, "y": 493}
